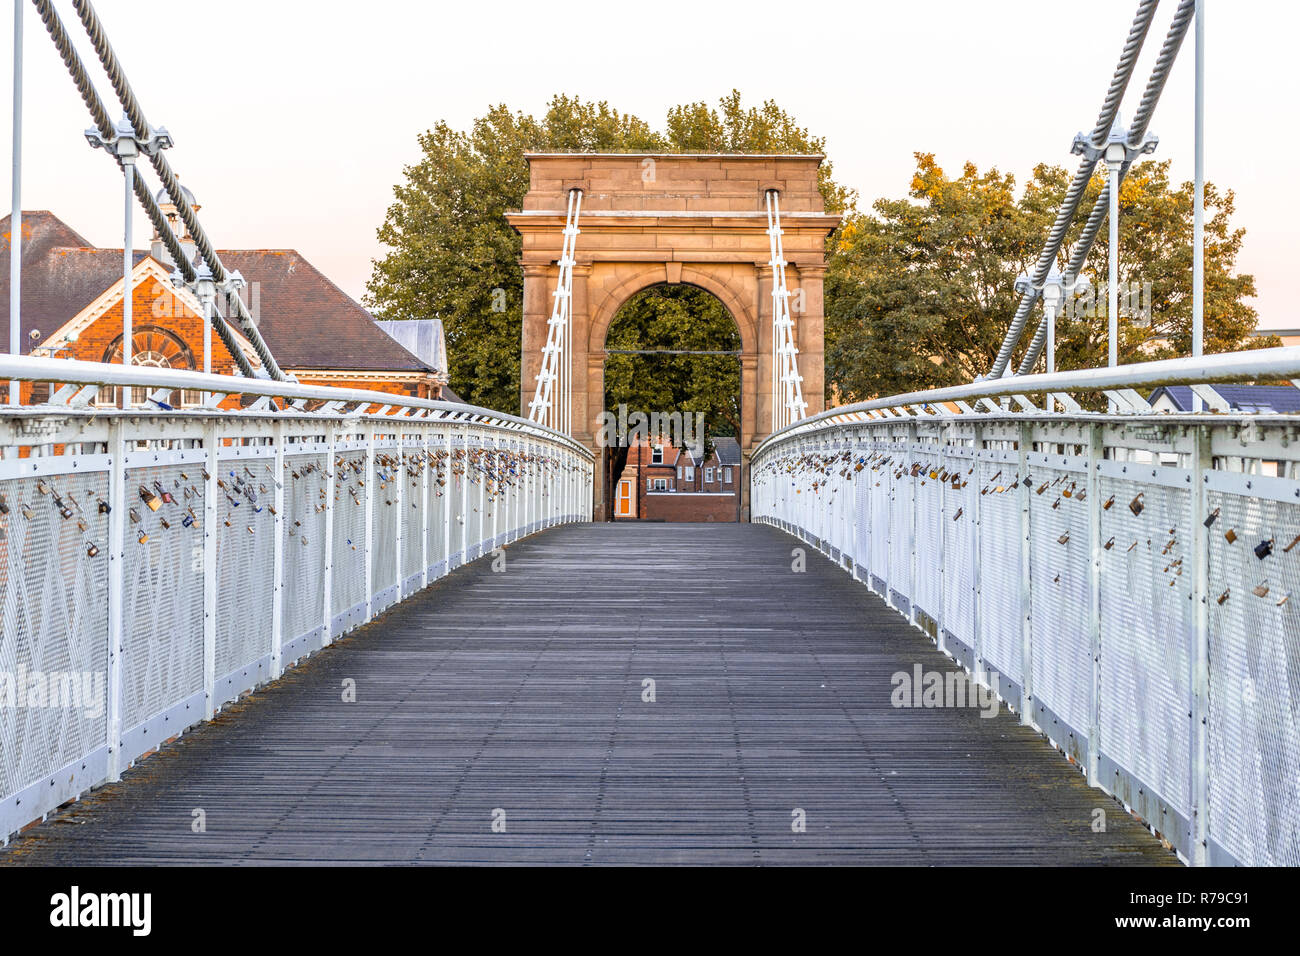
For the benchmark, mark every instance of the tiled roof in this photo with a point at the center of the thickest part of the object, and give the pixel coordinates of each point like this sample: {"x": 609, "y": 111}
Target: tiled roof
{"x": 1251, "y": 398}
{"x": 306, "y": 319}
{"x": 62, "y": 274}
{"x": 728, "y": 450}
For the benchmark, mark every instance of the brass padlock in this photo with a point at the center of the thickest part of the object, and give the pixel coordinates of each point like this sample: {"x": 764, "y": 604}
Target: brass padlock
{"x": 1136, "y": 504}
{"x": 151, "y": 500}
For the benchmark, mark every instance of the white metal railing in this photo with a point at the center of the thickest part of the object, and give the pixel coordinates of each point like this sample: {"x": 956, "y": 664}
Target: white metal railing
{"x": 1128, "y": 583}
{"x": 155, "y": 564}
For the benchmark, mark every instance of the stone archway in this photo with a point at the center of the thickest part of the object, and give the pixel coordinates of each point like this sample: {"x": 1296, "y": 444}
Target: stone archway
{"x": 666, "y": 218}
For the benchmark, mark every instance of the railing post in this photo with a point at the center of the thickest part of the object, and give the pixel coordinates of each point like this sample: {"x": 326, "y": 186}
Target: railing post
{"x": 277, "y": 573}
{"x": 913, "y": 440}
{"x": 210, "y": 440}
{"x": 977, "y": 623}
{"x": 498, "y": 504}
{"x": 424, "y": 507}
{"x": 939, "y": 615}
{"x": 1026, "y": 585}
{"x": 399, "y": 479}
{"x": 370, "y": 518}
{"x": 327, "y": 587}
{"x": 1199, "y": 751}
{"x": 449, "y": 485}
{"x": 464, "y": 501}
{"x": 116, "y": 498}
{"x": 1095, "y": 455}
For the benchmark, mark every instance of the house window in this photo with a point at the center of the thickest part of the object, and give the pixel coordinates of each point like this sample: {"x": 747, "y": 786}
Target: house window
{"x": 708, "y": 476}
{"x": 726, "y": 475}
{"x": 690, "y": 472}
{"x": 657, "y": 455}
{"x": 679, "y": 472}
{"x": 661, "y": 484}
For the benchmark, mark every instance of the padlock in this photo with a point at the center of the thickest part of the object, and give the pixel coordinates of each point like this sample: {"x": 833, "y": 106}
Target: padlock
{"x": 104, "y": 506}
{"x": 163, "y": 493}
{"x": 1224, "y": 596}
{"x": 144, "y": 537}
{"x": 1213, "y": 517}
{"x": 43, "y": 486}
{"x": 27, "y": 511}
{"x": 1109, "y": 544}
{"x": 1264, "y": 548}
{"x": 163, "y": 522}
{"x": 187, "y": 521}
{"x": 151, "y": 500}
{"x": 1064, "y": 539}
{"x": 1109, "y": 501}
{"x": 1136, "y": 505}
{"x": 81, "y": 524}
{"x": 1230, "y": 535}
{"x": 92, "y": 550}
{"x": 1260, "y": 589}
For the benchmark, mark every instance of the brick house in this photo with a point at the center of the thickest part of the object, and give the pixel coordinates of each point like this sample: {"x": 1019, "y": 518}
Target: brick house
{"x": 72, "y": 308}
{"x": 662, "y": 483}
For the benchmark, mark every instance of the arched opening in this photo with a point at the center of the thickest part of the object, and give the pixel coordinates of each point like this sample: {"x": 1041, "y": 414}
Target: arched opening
{"x": 673, "y": 400}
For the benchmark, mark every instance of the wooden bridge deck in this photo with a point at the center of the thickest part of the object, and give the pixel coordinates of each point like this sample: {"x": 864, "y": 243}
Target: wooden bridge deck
{"x": 522, "y": 692}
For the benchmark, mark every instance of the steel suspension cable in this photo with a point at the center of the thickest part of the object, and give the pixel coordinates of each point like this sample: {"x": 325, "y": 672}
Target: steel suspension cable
{"x": 1074, "y": 195}
{"x": 99, "y": 116}
{"x": 135, "y": 114}
{"x": 1137, "y": 133}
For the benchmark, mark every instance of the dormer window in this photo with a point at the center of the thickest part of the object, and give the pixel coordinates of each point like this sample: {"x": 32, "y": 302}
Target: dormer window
{"x": 657, "y": 455}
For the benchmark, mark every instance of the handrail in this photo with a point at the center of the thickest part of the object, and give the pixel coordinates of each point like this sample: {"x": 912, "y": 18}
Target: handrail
{"x": 1245, "y": 366}
{"x": 28, "y": 368}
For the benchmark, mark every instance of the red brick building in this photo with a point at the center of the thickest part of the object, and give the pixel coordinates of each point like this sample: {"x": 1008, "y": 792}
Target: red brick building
{"x": 72, "y": 308}
{"x": 662, "y": 483}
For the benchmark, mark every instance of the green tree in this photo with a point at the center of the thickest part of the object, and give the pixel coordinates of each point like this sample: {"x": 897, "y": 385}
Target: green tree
{"x": 676, "y": 317}
{"x": 450, "y": 249}
{"x": 920, "y": 292}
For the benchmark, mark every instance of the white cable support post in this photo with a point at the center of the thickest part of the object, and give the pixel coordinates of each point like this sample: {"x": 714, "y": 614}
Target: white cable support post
{"x": 126, "y": 153}
{"x": 206, "y": 290}
{"x": 551, "y": 404}
{"x": 788, "y": 405}
{"x": 1198, "y": 200}
{"x": 16, "y": 205}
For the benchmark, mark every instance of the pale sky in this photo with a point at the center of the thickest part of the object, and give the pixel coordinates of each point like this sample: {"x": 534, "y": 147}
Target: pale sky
{"x": 293, "y": 121}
